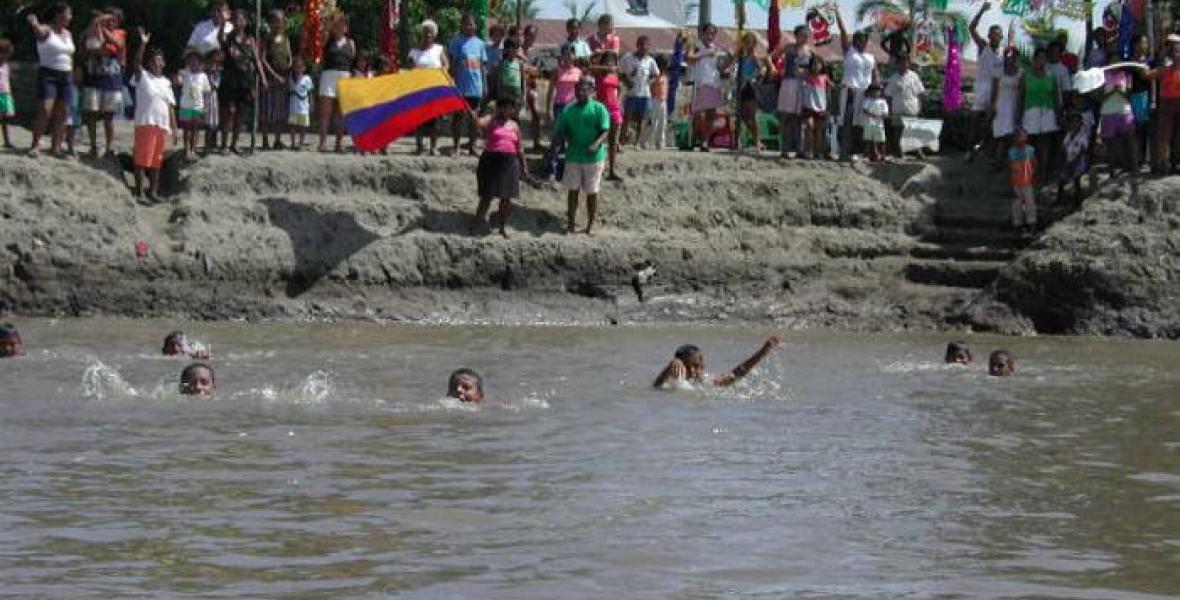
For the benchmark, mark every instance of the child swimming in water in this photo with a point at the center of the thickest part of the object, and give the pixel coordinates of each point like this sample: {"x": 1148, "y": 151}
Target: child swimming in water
{"x": 198, "y": 379}
{"x": 10, "y": 342}
{"x": 1001, "y": 364}
{"x": 466, "y": 385}
{"x": 958, "y": 353}
{"x": 688, "y": 365}
{"x": 177, "y": 344}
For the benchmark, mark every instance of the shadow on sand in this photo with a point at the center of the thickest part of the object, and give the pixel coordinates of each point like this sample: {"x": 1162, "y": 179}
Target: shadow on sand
{"x": 320, "y": 240}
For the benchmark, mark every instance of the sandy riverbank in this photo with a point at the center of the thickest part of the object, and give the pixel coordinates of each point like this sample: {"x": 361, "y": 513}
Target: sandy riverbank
{"x": 304, "y": 235}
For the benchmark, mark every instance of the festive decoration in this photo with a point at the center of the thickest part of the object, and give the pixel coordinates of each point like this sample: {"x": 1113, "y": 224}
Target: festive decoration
{"x": 1126, "y": 30}
{"x": 1015, "y": 7}
{"x": 313, "y": 31}
{"x": 819, "y": 21}
{"x": 1071, "y": 9}
{"x": 952, "y": 96}
{"x": 389, "y": 19}
{"x": 937, "y": 4}
{"x": 774, "y": 35}
{"x": 927, "y": 48}
{"x": 767, "y": 4}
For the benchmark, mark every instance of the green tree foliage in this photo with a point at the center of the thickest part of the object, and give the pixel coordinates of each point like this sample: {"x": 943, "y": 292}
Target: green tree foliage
{"x": 171, "y": 21}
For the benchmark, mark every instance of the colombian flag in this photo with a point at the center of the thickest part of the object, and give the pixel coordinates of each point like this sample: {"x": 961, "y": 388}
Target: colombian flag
{"x": 377, "y": 111}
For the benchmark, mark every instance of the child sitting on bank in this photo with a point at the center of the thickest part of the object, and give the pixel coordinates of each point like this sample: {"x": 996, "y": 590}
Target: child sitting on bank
{"x": 11, "y": 343}
{"x": 501, "y": 165}
{"x": 1075, "y": 147}
{"x": 155, "y": 119}
{"x": 299, "y": 110}
{"x": 465, "y": 385}
{"x": 198, "y": 379}
{"x": 876, "y": 110}
{"x": 815, "y": 107}
{"x": 7, "y": 105}
{"x": 194, "y": 87}
{"x": 1022, "y": 167}
{"x": 688, "y": 366}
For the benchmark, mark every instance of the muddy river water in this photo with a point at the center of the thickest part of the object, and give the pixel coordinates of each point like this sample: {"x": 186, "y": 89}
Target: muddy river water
{"x": 330, "y": 466}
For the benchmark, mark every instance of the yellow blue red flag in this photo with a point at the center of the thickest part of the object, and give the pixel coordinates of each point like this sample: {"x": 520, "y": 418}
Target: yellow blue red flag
{"x": 377, "y": 111}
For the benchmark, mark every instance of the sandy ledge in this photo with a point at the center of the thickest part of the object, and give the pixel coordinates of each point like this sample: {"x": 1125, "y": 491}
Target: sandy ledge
{"x": 807, "y": 244}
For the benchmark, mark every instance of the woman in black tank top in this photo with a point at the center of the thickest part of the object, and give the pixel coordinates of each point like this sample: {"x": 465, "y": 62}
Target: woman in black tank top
{"x": 339, "y": 52}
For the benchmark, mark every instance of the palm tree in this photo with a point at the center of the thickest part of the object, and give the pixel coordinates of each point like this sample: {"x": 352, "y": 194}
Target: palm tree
{"x": 505, "y": 11}
{"x": 686, "y": 11}
{"x": 577, "y": 11}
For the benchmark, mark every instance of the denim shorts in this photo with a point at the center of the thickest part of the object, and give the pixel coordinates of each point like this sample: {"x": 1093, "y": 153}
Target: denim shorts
{"x": 55, "y": 85}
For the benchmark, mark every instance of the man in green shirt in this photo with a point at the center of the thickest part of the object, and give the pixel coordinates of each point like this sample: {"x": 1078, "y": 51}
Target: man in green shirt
{"x": 584, "y": 125}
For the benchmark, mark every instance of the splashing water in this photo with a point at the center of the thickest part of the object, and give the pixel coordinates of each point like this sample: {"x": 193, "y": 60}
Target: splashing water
{"x": 318, "y": 387}
{"x": 100, "y": 382}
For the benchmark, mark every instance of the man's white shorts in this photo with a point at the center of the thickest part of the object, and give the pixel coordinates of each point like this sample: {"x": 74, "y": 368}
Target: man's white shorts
{"x": 583, "y": 177}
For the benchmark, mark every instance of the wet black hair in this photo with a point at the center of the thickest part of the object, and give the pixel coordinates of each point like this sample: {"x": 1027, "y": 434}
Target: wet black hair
{"x": 998, "y": 358}
{"x": 8, "y": 330}
{"x": 453, "y": 380}
{"x": 190, "y": 371}
{"x": 953, "y": 349}
{"x": 685, "y": 351}
{"x": 172, "y": 338}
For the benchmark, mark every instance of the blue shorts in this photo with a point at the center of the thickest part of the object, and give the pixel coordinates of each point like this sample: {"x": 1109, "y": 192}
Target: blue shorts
{"x": 55, "y": 85}
{"x": 636, "y": 106}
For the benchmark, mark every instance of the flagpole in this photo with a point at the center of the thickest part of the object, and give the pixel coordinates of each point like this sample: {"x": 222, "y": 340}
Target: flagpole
{"x": 258, "y": 78}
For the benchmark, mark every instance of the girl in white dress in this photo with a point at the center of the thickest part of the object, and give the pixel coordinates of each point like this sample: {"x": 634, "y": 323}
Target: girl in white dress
{"x": 1005, "y": 91}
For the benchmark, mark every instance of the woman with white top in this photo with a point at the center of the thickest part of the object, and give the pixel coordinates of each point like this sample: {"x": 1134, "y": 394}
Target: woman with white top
{"x": 55, "y": 75}
{"x": 428, "y": 55}
{"x": 1005, "y": 91}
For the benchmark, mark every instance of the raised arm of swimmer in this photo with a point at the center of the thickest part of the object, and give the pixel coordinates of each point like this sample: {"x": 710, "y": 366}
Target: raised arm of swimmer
{"x": 748, "y": 365}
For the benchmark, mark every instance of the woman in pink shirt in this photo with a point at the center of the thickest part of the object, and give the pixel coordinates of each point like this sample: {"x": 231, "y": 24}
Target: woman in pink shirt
{"x": 606, "y": 73}
{"x": 500, "y": 166}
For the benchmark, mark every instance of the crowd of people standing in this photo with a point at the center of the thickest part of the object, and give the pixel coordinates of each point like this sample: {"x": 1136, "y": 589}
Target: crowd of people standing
{"x": 1025, "y": 113}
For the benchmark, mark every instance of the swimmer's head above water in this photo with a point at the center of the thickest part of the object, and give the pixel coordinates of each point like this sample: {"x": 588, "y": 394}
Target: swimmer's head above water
{"x": 178, "y": 344}
{"x": 1001, "y": 364}
{"x": 198, "y": 379}
{"x": 466, "y": 385}
{"x": 693, "y": 359}
{"x": 958, "y": 353}
{"x": 174, "y": 344}
{"x": 11, "y": 343}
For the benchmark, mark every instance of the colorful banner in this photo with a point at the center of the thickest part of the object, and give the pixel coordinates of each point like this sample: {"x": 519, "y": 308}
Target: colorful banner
{"x": 377, "y": 111}
{"x": 1015, "y": 7}
{"x": 1071, "y": 9}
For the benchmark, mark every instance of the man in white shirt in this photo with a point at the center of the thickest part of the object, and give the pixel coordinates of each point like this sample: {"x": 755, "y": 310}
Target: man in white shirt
{"x": 638, "y": 69}
{"x": 904, "y": 90}
{"x": 989, "y": 65}
{"x": 860, "y": 71}
{"x": 204, "y": 36}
